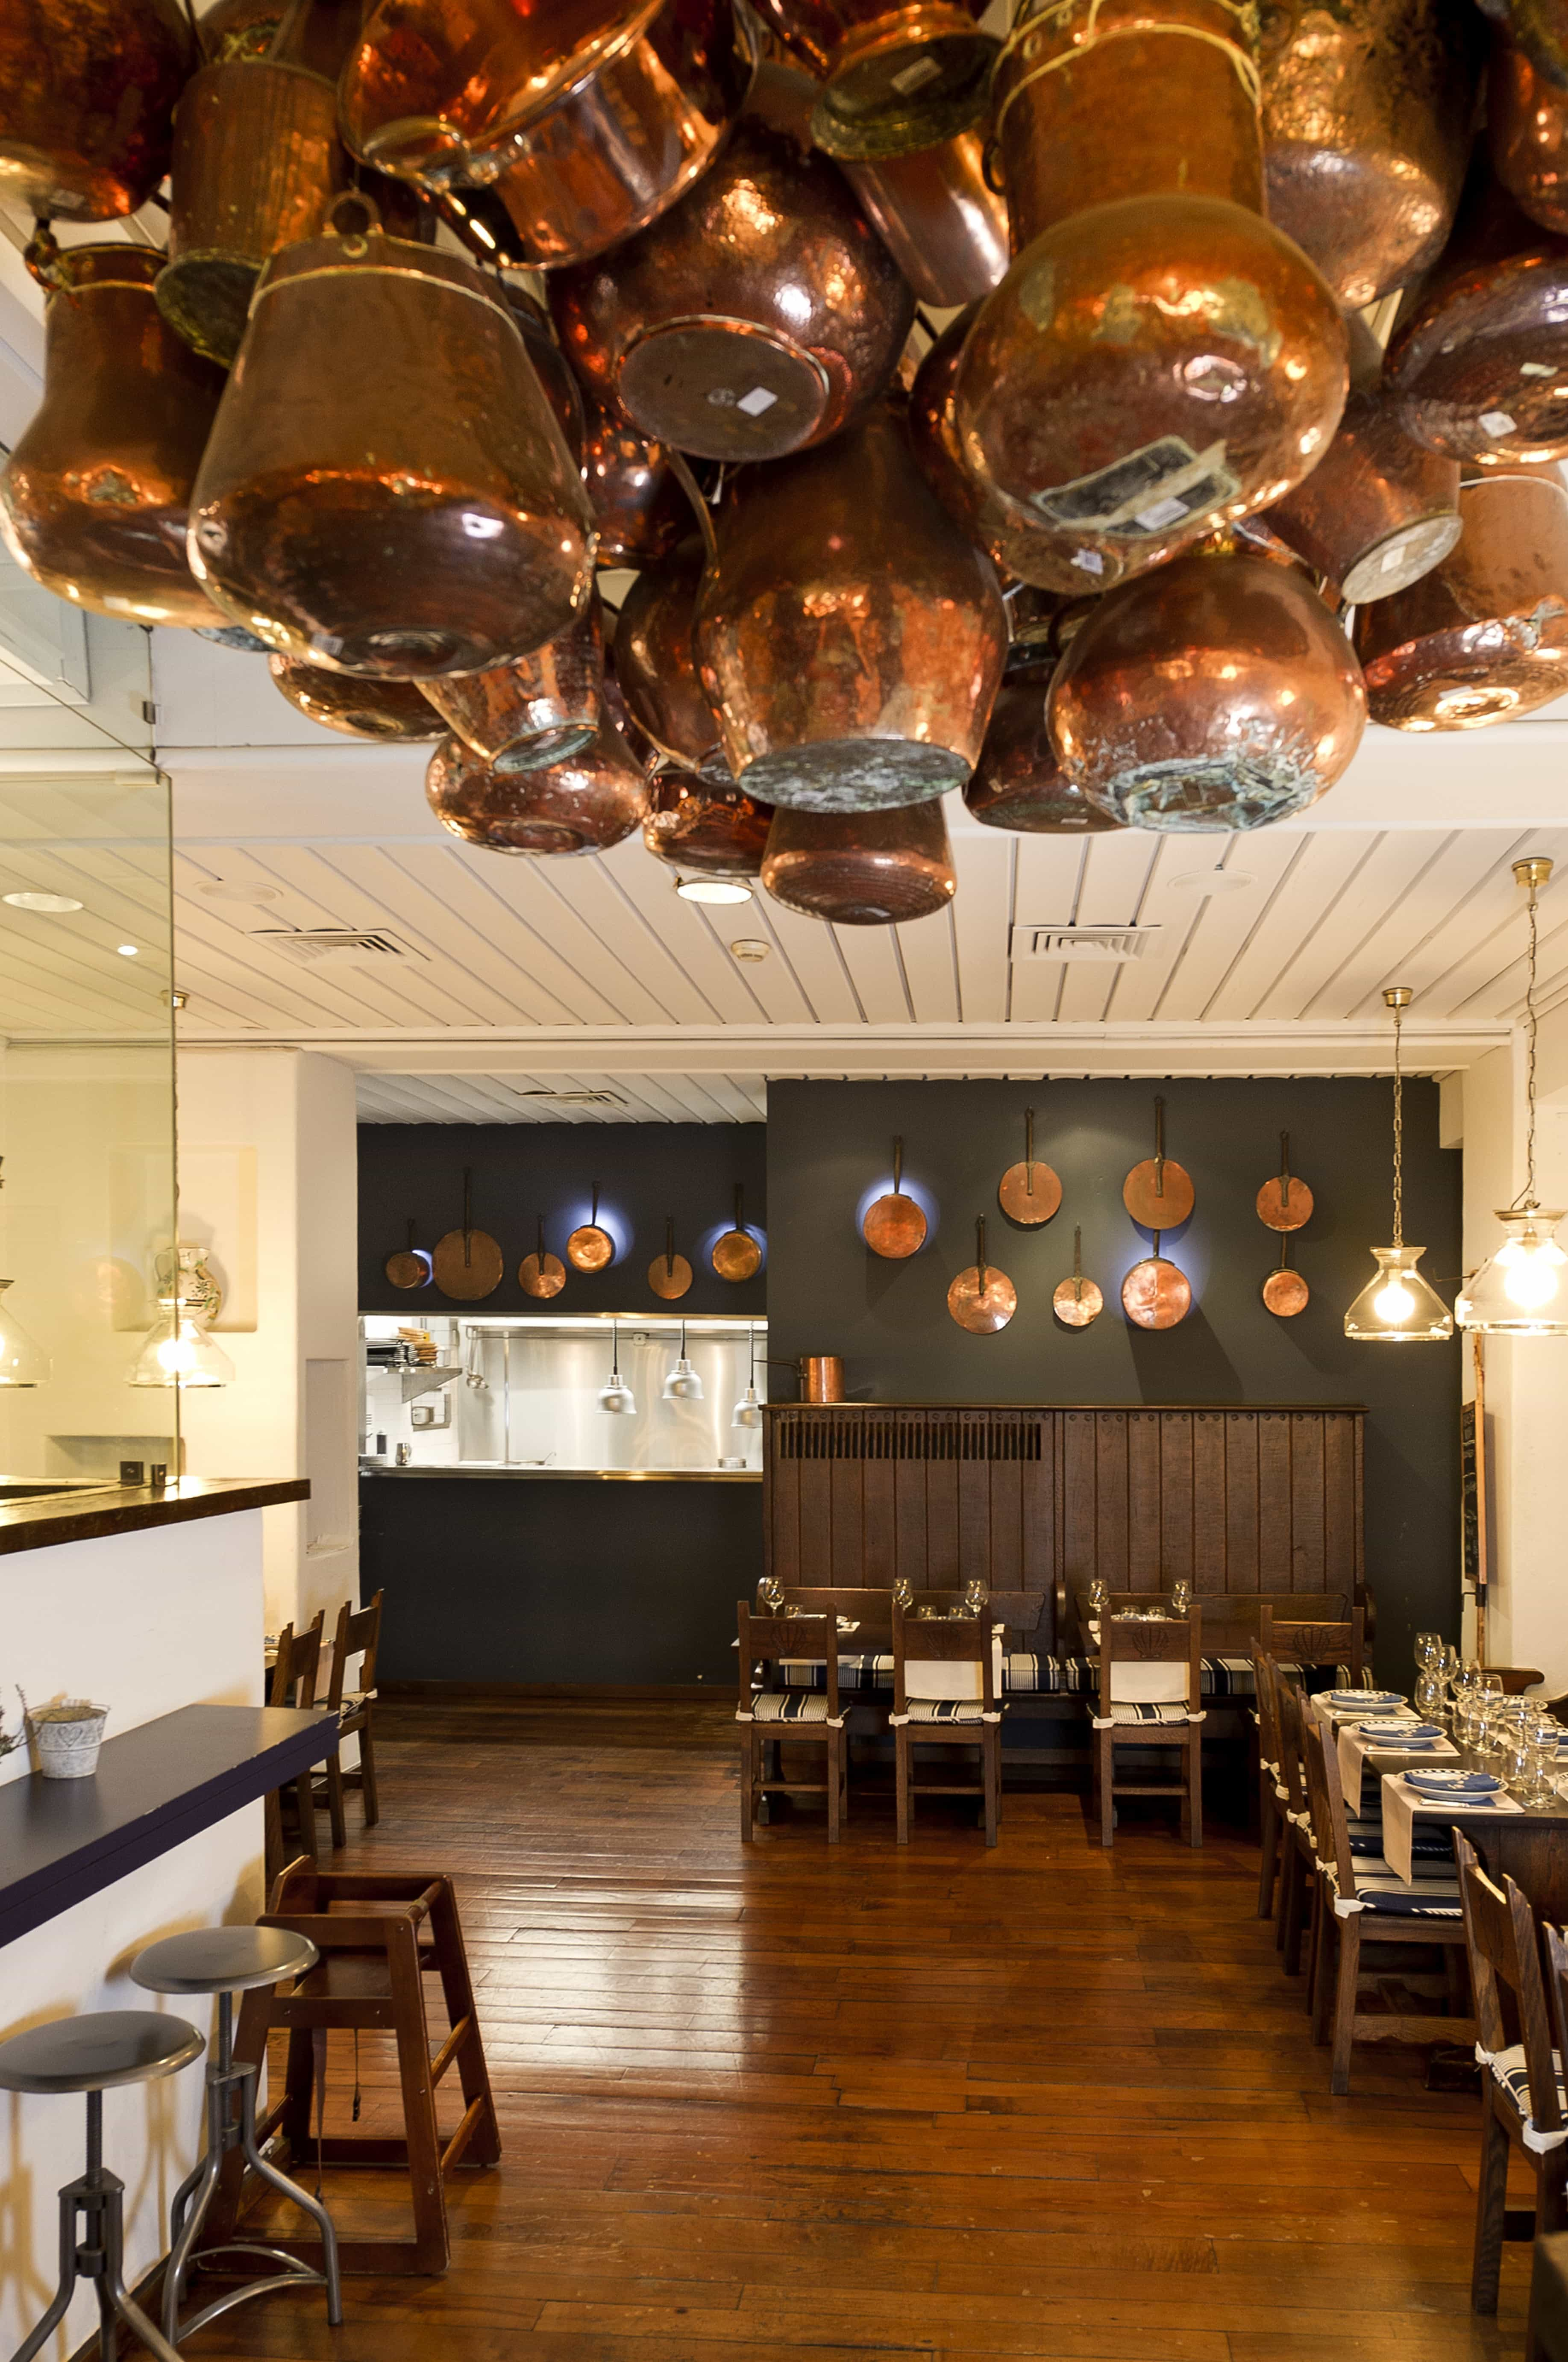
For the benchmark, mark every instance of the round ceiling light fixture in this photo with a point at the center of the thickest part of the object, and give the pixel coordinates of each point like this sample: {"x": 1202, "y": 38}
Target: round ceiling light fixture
{"x": 712, "y": 889}
{"x": 217, "y": 889}
{"x": 1212, "y": 881}
{"x": 50, "y": 902}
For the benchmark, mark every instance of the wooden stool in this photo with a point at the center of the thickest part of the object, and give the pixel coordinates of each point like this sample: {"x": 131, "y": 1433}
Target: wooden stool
{"x": 376, "y": 1935}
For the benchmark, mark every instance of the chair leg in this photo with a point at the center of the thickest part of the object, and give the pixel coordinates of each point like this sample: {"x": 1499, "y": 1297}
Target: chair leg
{"x": 1294, "y": 1876}
{"x": 901, "y": 1781}
{"x": 990, "y": 1775}
{"x": 1268, "y": 1839}
{"x": 748, "y": 1780}
{"x": 832, "y": 1764}
{"x": 368, "y": 1789}
{"x": 1106, "y": 1756}
{"x": 1194, "y": 1788}
{"x": 335, "y": 1799}
{"x": 1344, "y": 2003}
{"x": 1314, "y": 1939}
{"x": 1491, "y": 2204}
{"x": 1323, "y": 1969}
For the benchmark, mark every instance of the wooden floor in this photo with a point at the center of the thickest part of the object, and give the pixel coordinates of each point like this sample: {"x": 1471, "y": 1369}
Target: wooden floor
{"x": 777, "y": 2102}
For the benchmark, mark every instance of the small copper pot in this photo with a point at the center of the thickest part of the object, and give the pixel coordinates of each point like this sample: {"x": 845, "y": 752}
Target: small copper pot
{"x": 1018, "y": 782}
{"x": 416, "y": 518}
{"x": 1367, "y": 113}
{"x": 87, "y": 93}
{"x": 705, "y": 823}
{"x": 822, "y": 1377}
{"x": 656, "y": 667}
{"x": 1484, "y": 637}
{"x": 550, "y": 367}
{"x": 388, "y": 710}
{"x": 939, "y": 216}
{"x": 900, "y": 74}
{"x": 637, "y": 501}
{"x": 584, "y": 805}
{"x": 759, "y": 317}
{"x": 863, "y": 869}
{"x": 1216, "y": 694}
{"x": 95, "y": 498}
{"x": 537, "y": 711}
{"x": 851, "y": 639}
{"x": 1526, "y": 125}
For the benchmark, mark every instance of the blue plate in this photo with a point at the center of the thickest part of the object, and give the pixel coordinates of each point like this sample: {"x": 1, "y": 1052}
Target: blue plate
{"x": 1442, "y": 1782}
{"x": 1406, "y": 1734}
{"x": 1368, "y": 1699}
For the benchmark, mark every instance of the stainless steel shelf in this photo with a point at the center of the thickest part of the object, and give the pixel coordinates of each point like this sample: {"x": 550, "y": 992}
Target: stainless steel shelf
{"x": 472, "y": 1474}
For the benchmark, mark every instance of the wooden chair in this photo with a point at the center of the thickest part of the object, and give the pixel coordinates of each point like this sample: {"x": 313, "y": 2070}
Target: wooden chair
{"x": 1321, "y": 1642}
{"x": 1521, "y": 2090}
{"x": 945, "y": 1696}
{"x": 1132, "y": 1714}
{"x": 1297, "y": 1907}
{"x": 295, "y": 1672}
{"x": 1357, "y": 1887}
{"x": 766, "y": 1715}
{"x": 1272, "y": 1796}
{"x": 358, "y": 1635}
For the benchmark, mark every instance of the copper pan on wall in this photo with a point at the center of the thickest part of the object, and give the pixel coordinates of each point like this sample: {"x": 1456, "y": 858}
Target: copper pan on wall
{"x": 388, "y": 710}
{"x": 1284, "y": 1292}
{"x": 758, "y": 316}
{"x": 1158, "y": 1193}
{"x": 303, "y": 524}
{"x": 1285, "y": 1202}
{"x": 705, "y": 824}
{"x": 590, "y": 1246}
{"x": 1484, "y": 637}
{"x": 1077, "y": 1301}
{"x": 982, "y": 1299}
{"x": 900, "y": 74}
{"x": 939, "y": 216}
{"x": 861, "y": 869}
{"x": 1030, "y": 1193}
{"x": 541, "y": 1274}
{"x": 96, "y": 496}
{"x": 468, "y": 1264}
{"x": 894, "y": 1226}
{"x": 408, "y": 1266}
{"x": 737, "y": 1255}
{"x": 1527, "y": 127}
{"x": 87, "y": 93}
{"x": 540, "y": 710}
{"x": 669, "y": 1275}
{"x": 1155, "y": 1293}
{"x": 585, "y": 804}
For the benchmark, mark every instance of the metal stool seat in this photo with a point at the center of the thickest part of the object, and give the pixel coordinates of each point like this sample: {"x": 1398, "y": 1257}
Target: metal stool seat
{"x": 226, "y": 1960}
{"x": 91, "y": 2054}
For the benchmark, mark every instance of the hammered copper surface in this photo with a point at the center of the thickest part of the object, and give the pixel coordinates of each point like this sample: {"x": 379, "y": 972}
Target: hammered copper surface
{"x": 1018, "y": 782}
{"x": 554, "y": 373}
{"x": 705, "y": 824}
{"x": 657, "y": 665}
{"x": 901, "y": 75}
{"x": 737, "y": 1255}
{"x": 982, "y": 1299}
{"x": 894, "y": 1226}
{"x": 638, "y": 504}
{"x": 1216, "y": 694}
{"x": 1484, "y": 637}
{"x": 944, "y": 223}
{"x": 540, "y": 710}
{"x": 406, "y": 1267}
{"x": 87, "y": 93}
{"x": 1030, "y": 1193}
{"x": 96, "y": 495}
{"x": 851, "y": 640}
{"x": 1076, "y": 1302}
{"x": 822, "y": 1377}
{"x": 388, "y": 710}
{"x": 1284, "y": 1203}
{"x": 541, "y": 1274}
{"x": 670, "y": 1276}
{"x": 468, "y": 1264}
{"x": 584, "y": 804}
{"x": 1369, "y": 108}
{"x": 1286, "y": 1293}
{"x": 1158, "y": 1193}
{"x": 1156, "y": 1294}
{"x": 419, "y": 517}
{"x": 1527, "y": 127}
{"x": 759, "y": 316}
{"x": 861, "y": 869}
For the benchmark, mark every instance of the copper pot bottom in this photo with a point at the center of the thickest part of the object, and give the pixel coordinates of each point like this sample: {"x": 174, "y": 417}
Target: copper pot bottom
{"x": 1051, "y": 806}
{"x": 736, "y": 1256}
{"x": 905, "y": 97}
{"x": 1212, "y": 791}
{"x": 467, "y": 1264}
{"x": 406, "y": 1269}
{"x": 850, "y": 774}
{"x": 537, "y": 753}
{"x": 894, "y": 1227}
{"x": 206, "y": 295}
{"x": 1466, "y": 679}
{"x": 723, "y": 389}
{"x": 1076, "y": 1302}
{"x": 1152, "y": 1205}
{"x": 542, "y": 1276}
{"x": 1401, "y": 559}
{"x": 589, "y": 1248}
{"x": 982, "y": 1301}
{"x": 1285, "y": 1294}
{"x": 859, "y": 888}
{"x": 1284, "y": 1206}
{"x": 1156, "y": 1294}
{"x": 1028, "y": 1194}
{"x": 670, "y": 1276}
{"x": 391, "y": 711}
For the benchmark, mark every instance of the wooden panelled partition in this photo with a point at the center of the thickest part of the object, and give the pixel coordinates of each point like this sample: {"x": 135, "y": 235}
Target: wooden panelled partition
{"x": 1265, "y": 1498}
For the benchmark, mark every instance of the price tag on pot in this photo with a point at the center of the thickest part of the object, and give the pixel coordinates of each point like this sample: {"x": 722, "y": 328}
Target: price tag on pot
{"x": 1144, "y": 493}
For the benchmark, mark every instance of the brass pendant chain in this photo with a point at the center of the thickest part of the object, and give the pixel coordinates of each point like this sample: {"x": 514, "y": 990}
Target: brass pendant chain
{"x": 1526, "y": 1200}
{"x": 1398, "y": 1136}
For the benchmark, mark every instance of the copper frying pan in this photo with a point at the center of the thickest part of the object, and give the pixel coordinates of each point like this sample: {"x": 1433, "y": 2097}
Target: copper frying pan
{"x": 410, "y": 1265}
{"x": 589, "y": 1248}
{"x": 541, "y": 1274}
{"x": 669, "y": 1275}
{"x": 1155, "y": 1294}
{"x": 894, "y": 1227}
{"x": 982, "y": 1299}
{"x": 1159, "y": 1194}
{"x": 1284, "y": 1203}
{"x": 1030, "y": 1193}
{"x": 468, "y": 1263}
{"x": 1284, "y": 1292}
{"x": 1077, "y": 1301}
{"x": 737, "y": 1254}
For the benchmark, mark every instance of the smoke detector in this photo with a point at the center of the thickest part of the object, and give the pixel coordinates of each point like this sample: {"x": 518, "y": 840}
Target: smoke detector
{"x": 1083, "y": 943}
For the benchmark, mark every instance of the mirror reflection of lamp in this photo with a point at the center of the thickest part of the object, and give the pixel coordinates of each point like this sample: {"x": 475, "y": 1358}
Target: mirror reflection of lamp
{"x": 23, "y": 1361}
{"x": 177, "y": 1350}
{"x": 747, "y": 1412}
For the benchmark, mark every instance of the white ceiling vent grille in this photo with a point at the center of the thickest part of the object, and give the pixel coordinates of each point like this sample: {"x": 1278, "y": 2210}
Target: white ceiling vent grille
{"x": 311, "y": 946}
{"x": 1084, "y": 943}
{"x": 577, "y": 1099}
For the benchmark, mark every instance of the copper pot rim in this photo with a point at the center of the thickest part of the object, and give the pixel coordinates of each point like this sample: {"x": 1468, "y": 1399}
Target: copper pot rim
{"x": 58, "y": 268}
{"x": 942, "y": 115}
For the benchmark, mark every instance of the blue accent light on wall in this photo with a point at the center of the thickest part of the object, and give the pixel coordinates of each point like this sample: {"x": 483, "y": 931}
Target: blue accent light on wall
{"x": 579, "y": 1212}
{"x": 703, "y": 1253}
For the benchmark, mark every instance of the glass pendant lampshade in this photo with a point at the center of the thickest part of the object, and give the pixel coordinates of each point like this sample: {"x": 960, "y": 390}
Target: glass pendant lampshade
{"x": 1522, "y": 1289}
{"x": 747, "y": 1412}
{"x": 683, "y": 1385}
{"x": 179, "y": 1353}
{"x": 23, "y": 1363}
{"x": 1397, "y": 1306}
{"x": 615, "y": 1397}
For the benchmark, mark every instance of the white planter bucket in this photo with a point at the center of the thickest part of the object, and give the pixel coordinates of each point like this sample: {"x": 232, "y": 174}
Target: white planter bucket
{"x": 68, "y": 1738}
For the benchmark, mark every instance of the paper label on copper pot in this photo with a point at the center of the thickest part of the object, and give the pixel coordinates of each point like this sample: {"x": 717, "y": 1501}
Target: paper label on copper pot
{"x": 1144, "y": 493}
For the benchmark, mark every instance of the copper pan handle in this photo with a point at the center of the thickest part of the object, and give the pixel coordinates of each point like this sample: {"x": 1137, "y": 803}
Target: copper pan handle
{"x": 980, "y": 1251}
{"x": 1159, "y": 1150}
{"x": 468, "y": 1215}
{"x": 1284, "y": 1175}
{"x": 898, "y": 1167}
{"x": 669, "y": 1255}
{"x": 1028, "y": 1152}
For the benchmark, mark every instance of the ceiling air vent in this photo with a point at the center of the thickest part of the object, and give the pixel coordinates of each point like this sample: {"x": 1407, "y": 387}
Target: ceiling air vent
{"x": 575, "y": 1099}
{"x": 312, "y": 945}
{"x": 1084, "y": 943}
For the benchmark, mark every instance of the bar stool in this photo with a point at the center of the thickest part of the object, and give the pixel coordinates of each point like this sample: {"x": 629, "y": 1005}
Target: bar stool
{"x": 226, "y": 1960}
{"x": 89, "y": 2054}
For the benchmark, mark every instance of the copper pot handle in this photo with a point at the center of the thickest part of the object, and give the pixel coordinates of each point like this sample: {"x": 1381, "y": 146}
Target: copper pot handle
{"x": 898, "y": 1167}
{"x": 352, "y": 218}
{"x": 669, "y": 1262}
{"x": 1284, "y": 1176}
{"x": 1028, "y": 1152}
{"x": 468, "y": 1215}
{"x": 980, "y": 1251}
{"x": 1159, "y": 1155}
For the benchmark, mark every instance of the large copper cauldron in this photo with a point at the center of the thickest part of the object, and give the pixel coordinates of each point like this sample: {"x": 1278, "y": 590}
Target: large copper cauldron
{"x": 944, "y": 223}
{"x": 87, "y": 93}
{"x": 1216, "y": 694}
{"x": 851, "y": 639}
{"x": 1527, "y": 125}
{"x": 1478, "y": 370}
{"x": 1484, "y": 637}
{"x": 1367, "y": 112}
{"x": 1018, "y": 782}
{"x": 656, "y": 667}
{"x": 1162, "y": 360}
{"x": 388, "y": 710}
{"x": 900, "y": 74}
{"x": 386, "y": 489}
{"x": 636, "y": 498}
{"x": 861, "y": 869}
{"x": 583, "y": 805}
{"x": 550, "y": 367}
{"x": 761, "y": 316}
{"x": 705, "y": 824}
{"x": 93, "y": 500}
{"x": 527, "y": 715}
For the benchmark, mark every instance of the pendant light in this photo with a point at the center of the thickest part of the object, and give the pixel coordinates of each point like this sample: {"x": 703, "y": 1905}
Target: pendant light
{"x": 747, "y": 1412}
{"x": 23, "y": 1363}
{"x": 1397, "y": 1306}
{"x": 683, "y": 1385}
{"x": 615, "y": 1397}
{"x": 178, "y": 1351}
{"x": 1521, "y": 1290}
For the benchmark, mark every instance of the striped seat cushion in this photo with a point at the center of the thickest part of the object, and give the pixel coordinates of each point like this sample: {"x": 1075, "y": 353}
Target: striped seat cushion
{"x": 1124, "y": 1710}
{"x": 860, "y": 1674}
{"x": 1428, "y": 1843}
{"x": 787, "y": 1705}
{"x": 1509, "y": 2068}
{"x": 1379, "y": 1888}
{"x": 945, "y": 1710}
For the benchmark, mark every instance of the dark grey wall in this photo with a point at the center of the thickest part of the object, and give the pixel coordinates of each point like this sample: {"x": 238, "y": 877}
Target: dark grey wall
{"x": 830, "y": 1144}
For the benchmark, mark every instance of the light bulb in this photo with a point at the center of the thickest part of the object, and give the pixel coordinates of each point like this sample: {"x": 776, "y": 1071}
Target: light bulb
{"x": 1394, "y": 1303}
{"x": 1529, "y": 1283}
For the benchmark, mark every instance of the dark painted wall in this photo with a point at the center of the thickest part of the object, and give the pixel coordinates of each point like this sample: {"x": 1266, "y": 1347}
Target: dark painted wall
{"x": 829, "y": 1147}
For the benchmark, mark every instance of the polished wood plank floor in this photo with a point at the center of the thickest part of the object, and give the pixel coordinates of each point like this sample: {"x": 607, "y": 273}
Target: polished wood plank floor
{"x": 782, "y": 2103}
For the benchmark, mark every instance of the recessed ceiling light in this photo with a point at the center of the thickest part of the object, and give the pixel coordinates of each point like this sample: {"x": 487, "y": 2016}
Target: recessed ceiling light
{"x": 41, "y": 902}
{"x": 750, "y": 948}
{"x": 1212, "y": 881}
{"x": 127, "y": 951}
{"x": 217, "y": 890}
{"x": 712, "y": 889}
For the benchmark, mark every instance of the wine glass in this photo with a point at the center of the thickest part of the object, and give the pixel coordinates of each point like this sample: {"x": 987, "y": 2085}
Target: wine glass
{"x": 1181, "y": 1596}
{"x": 1428, "y": 1652}
{"x": 1492, "y": 1681}
{"x": 1099, "y": 1595}
{"x": 904, "y": 1592}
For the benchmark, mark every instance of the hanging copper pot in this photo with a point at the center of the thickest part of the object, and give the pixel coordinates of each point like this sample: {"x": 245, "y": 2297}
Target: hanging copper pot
{"x": 95, "y": 498}
{"x": 900, "y": 74}
{"x": 1478, "y": 368}
{"x": 1378, "y": 511}
{"x": 584, "y": 804}
{"x": 409, "y": 1266}
{"x": 1159, "y": 1192}
{"x": 468, "y": 1264}
{"x": 1527, "y": 127}
{"x": 939, "y": 216}
{"x": 861, "y": 869}
{"x": 657, "y": 667}
{"x": 851, "y": 639}
{"x": 894, "y": 1225}
{"x": 87, "y": 93}
{"x": 705, "y": 824}
{"x": 542, "y": 710}
{"x": 669, "y": 1275}
{"x": 1484, "y": 637}
{"x": 1216, "y": 694}
{"x": 1367, "y": 113}
{"x": 1155, "y": 1293}
{"x": 590, "y": 1246}
{"x": 1077, "y": 1301}
{"x": 982, "y": 1299}
{"x": 1159, "y": 358}
{"x": 239, "y": 28}
{"x": 1285, "y": 1202}
{"x": 541, "y": 1274}
{"x": 638, "y": 504}
{"x": 756, "y": 318}
{"x": 551, "y": 369}
{"x": 360, "y": 709}
{"x": 737, "y": 1255}
{"x": 1284, "y": 1292}
{"x": 416, "y": 515}
{"x": 1019, "y": 783}
{"x": 1030, "y": 1193}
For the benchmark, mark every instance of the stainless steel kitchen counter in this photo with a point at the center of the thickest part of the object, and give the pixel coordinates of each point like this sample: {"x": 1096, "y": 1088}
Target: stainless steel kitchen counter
{"x": 472, "y": 1471}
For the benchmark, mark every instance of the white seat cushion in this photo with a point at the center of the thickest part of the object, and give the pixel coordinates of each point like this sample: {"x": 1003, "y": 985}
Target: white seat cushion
{"x": 791, "y": 1705}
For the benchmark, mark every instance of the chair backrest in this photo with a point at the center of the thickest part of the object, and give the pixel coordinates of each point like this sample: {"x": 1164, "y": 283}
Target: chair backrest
{"x": 1290, "y": 1710}
{"x": 359, "y": 1633}
{"x": 871, "y": 1610}
{"x": 297, "y": 1664}
{"x": 1323, "y": 1642}
{"x": 1504, "y": 1944}
{"x": 765, "y": 1638}
{"x": 1326, "y": 1802}
{"x": 942, "y": 1657}
{"x": 1125, "y": 1642}
{"x": 1265, "y": 1687}
{"x": 1516, "y": 1679}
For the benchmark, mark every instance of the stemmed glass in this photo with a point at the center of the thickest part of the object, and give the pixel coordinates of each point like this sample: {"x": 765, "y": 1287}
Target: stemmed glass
{"x": 1181, "y": 1596}
{"x": 1428, "y": 1652}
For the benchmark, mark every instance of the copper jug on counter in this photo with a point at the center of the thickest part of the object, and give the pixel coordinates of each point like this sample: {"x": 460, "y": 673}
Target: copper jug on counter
{"x": 1367, "y": 113}
{"x": 862, "y": 868}
{"x": 87, "y": 93}
{"x": 388, "y": 710}
{"x": 527, "y": 715}
{"x": 939, "y": 216}
{"x": 851, "y": 640}
{"x": 759, "y": 316}
{"x": 705, "y": 823}
{"x": 386, "y": 489}
{"x": 900, "y": 74}
{"x": 1484, "y": 637}
{"x": 585, "y": 804}
{"x": 1527, "y": 127}
{"x": 1216, "y": 694}
{"x": 657, "y": 667}
{"x": 1159, "y": 360}
{"x": 96, "y": 496}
